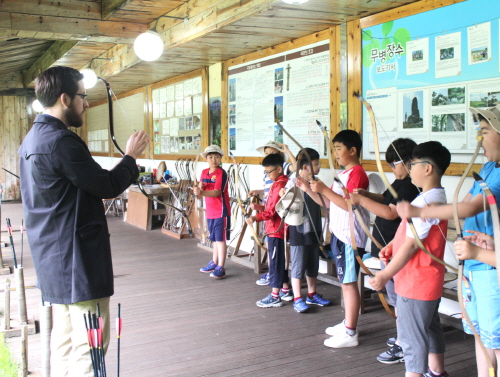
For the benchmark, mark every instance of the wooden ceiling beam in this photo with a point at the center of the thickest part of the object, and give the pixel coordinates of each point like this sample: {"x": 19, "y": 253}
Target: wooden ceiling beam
{"x": 109, "y": 7}
{"x": 60, "y": 8}
{"x": 83, "y": 28}
{"x": 54, "y": 53}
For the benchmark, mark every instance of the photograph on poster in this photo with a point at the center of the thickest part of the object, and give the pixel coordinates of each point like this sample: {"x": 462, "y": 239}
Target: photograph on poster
{"x": 232, "y": 109}
{"x": 278, "y": 87}
{"x": 448, "y": 96}
{"x": 417, "y": 55}
{"x": 278, "y": 134}
{"x": 182, "y": 141}
{"x": 448, "y": 122}
{"x": 493, "y": 99}
{"x": 447, "y": 53}
{"x": 196, "y": 122}
{"x": 278, "y": 105}
{"x": 196, "y": 141}
{"x": 182, "y": 124}
{"x": 232, "y": 139}
{"x": 232, "y": 120}
{"x": 479, "y": 54}
{"x": 189, "y": 123}
{"x": 232, "y": 90}
{"x": 189, "y": 142}
{"x": 413, "y": 103}
{"x": 278, "y": 74}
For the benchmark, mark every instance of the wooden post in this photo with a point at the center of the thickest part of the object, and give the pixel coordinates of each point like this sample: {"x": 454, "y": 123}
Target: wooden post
{"x": 21, "y": 296}
{"x": 23, "y": 372}
{"x": 45, "y": 330}
{"x": 6, "y": 309}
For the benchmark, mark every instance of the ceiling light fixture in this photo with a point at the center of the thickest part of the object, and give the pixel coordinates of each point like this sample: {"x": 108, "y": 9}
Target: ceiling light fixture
{"x": 37, "y": 106}
{"x": 89, "y": 78}
{"x": 149, "y": 46}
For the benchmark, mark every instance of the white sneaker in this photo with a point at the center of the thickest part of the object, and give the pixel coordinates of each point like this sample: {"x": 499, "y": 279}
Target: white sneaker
{"x": 342, "y": 341}
{"x": 338, "y": 329}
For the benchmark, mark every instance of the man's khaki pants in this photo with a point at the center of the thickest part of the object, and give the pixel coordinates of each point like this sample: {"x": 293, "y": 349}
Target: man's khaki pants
{"x": 70, "y": 354}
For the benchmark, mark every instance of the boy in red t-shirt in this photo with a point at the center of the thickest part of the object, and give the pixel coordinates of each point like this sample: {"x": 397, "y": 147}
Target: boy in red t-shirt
{"x": 213, "y": 186}
{"x": 419, "y": 279}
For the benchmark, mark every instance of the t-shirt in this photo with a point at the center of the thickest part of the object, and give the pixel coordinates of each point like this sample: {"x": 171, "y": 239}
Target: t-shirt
{"x": 219, "y": 206}
{"x": 384, "y": 230}
{"x": 303, "y": 235}
{"x": 268, "y": 182}
{"x": 482, "y": 222}
{"x": 339, "y": 218}
{"x": 422, "y": 278}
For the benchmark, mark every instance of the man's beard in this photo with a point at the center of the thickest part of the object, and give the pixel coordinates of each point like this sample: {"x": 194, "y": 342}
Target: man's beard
{"x": 73, "y": 119}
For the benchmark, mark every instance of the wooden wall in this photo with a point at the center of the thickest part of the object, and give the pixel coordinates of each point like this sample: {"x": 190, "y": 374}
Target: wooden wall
{"x": 15, "y": 121}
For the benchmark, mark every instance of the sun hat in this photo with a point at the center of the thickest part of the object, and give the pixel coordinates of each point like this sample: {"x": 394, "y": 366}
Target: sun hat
{"x": 272, "y": 144}
{"x": 212, "y": 149}
{"x": 294, "y": 216}
{"x": 492, "y": 115}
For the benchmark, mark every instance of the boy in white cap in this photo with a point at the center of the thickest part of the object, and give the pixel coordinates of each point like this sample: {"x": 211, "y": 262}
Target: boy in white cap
{"x": 482, "y": 298}
{"x": 213, "y": 186}
{"x": 272, "y": 147}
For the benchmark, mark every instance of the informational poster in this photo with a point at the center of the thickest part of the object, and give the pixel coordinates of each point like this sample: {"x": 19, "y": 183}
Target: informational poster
{"x": 294, "y": 84}
{"x": 177, "y": 114}
{"x": 422, "y": 80}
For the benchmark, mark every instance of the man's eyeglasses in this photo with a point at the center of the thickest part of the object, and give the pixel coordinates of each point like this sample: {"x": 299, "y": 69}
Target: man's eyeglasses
{"x": 393, "y": 164}
{"x": 84, "y": 96}
{"x": 269, "y": 172}
{"x": 418, "y": 162}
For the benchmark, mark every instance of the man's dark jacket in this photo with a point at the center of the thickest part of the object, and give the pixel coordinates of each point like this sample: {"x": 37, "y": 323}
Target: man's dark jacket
{"x": 62, "y": 189}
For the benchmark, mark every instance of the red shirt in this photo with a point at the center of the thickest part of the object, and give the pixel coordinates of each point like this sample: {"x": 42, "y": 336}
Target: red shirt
{"x": 269, "y": 215}
{"x": 219, "y": 206}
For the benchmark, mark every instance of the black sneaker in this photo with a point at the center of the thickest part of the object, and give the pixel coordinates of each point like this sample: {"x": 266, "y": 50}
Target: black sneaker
{"x": 392, "y": 356}
{"x": 430, "y": 374}
{"x": 390, "y": 342}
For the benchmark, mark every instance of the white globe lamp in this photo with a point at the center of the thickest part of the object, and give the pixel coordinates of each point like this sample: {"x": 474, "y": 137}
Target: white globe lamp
{"x": 89, "y": 78}
{"x": 37, "y": 106}
{"x": 148, "y": 46}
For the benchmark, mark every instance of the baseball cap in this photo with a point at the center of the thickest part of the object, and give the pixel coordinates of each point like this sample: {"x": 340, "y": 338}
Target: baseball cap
{"x": 212, "y": 149}
{"x": 492, "y": 116}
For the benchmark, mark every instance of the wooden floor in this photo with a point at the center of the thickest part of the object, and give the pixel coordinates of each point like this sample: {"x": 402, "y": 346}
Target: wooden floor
{"x": 180, "y": 322}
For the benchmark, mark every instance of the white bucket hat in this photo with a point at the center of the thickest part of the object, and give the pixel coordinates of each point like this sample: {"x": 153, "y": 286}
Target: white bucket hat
{"x": 294, "y": 216}
{"x": 492, "y": 116}
{"x": 212, "y": 149}
{"x": 272, "y": 144}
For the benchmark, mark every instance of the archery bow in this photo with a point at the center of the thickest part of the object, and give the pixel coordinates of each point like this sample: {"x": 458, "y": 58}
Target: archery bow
{"x": 389, "y": 186}
{"x": 242, "y": 207}
{"x": 141, "y": 187}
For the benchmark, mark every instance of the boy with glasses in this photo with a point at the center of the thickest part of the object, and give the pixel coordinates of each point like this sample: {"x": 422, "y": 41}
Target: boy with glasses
{"x": 278, "y": 275}
{"x": 418, "y": 278}
{"x": 398, "y": 156}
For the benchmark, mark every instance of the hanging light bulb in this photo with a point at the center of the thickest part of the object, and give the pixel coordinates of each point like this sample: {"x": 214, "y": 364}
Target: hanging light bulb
{"x": 295, "y": 2}
{"x": 37, "y": 106}
{"x": 148, "y": 46}
{"x": 89, "y": 78}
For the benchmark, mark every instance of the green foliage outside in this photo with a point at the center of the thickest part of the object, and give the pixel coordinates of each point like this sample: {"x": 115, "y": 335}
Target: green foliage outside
{"x": 8, "y": 368}
{"x": 401, "y": 36}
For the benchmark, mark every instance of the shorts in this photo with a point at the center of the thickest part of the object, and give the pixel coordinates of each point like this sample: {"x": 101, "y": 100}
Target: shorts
{"x": 277, "y": 272}
{"x": 419, "y": 332}
{"x": 482, "y": 293}
{"x": 219, "y": 229}
{"x": 305, "y": 261}
{"x": 345, "y": 261}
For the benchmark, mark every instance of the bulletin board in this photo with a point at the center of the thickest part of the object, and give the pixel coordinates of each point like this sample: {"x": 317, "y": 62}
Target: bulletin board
{"x": 179, "y": 115}
{"x": 299, "y": 78}
{"x": 422, "y": 73}
{"x": 128, "y": 117}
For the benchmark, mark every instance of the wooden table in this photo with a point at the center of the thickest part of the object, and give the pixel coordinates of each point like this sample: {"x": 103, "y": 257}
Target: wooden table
{"x": 140, "y": 209}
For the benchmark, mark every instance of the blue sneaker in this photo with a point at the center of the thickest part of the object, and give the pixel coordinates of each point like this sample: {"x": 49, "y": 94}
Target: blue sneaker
{"x": 264, "y": 280}
{"x": 209, "y": 267}
{"x": 317, "y": 299}
{"x": 218, "y": 273}
{"x": 269, "y": 302}
{"x": 288, "y": 296}
{"x": 300, "y": 305}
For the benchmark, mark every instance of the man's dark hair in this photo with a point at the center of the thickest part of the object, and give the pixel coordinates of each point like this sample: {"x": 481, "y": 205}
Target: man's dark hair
{"x": 404, "y": 149}
{"x": 349, "y": 138}
{"x": 53, "y": 82}
{"x": 434, "y": 152}
{"x": 273, "y": 159}
{"x": 302, "y": 158}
